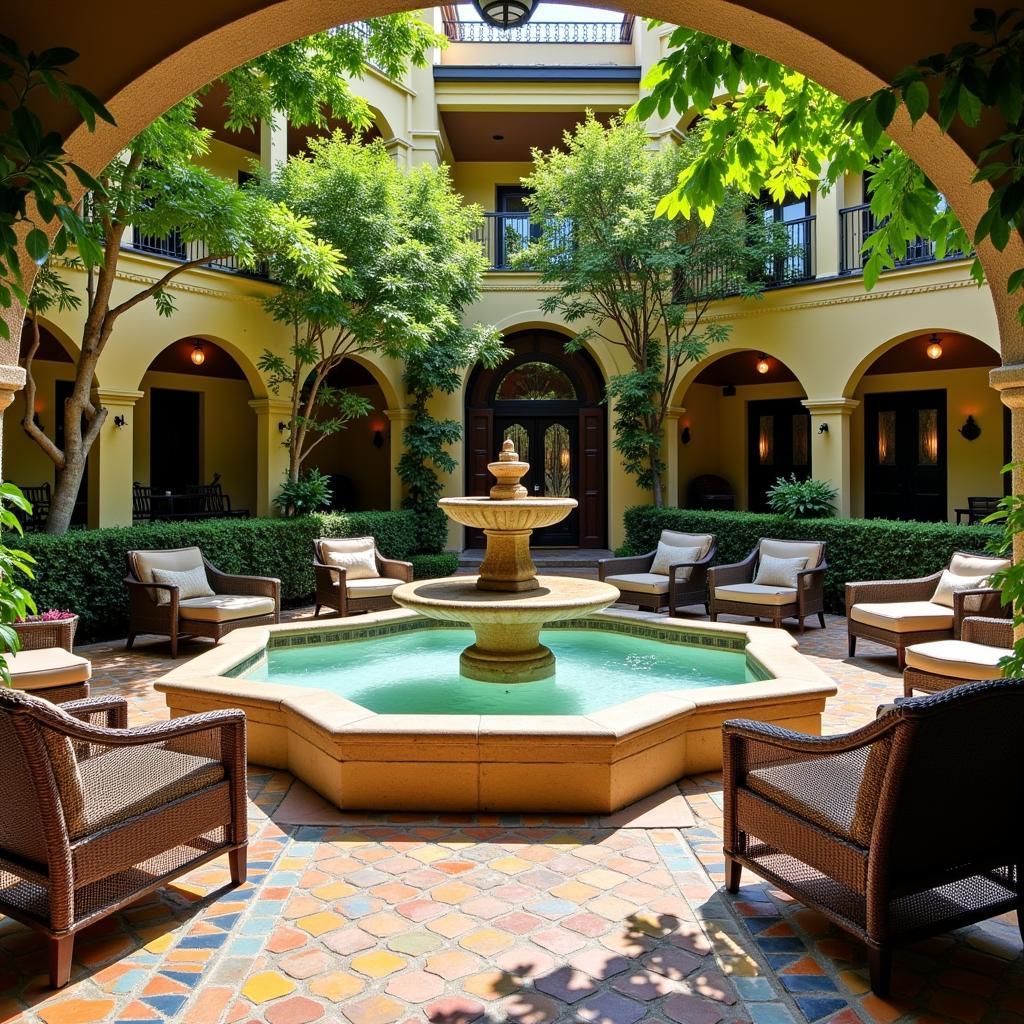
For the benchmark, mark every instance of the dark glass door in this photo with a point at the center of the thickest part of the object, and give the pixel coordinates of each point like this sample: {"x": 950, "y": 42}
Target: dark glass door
{"x": 513, "y": 228}
{"x": 174, "y": 434}
{"x": 549, "y": 444}
{"x": 778, "y": 444}
{"x": 905, "y": 455}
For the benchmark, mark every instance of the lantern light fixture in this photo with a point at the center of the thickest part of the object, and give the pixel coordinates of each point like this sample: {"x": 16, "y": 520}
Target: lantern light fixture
{"x": 505, "y": 14}
{"x": 763, "y": 366}
{"x": 934, "y": 350}
{"x": 198, "y": 356}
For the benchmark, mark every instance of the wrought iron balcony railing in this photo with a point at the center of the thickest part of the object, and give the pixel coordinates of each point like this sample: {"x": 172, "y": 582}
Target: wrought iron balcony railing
{"x": 542, "y": 32}
{"x": 857, "y": 222}
{"x": 502, "y": 235}
{"x": 173, "y": 247}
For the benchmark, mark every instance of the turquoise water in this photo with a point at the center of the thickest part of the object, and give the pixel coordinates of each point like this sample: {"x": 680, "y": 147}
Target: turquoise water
{"x": 418, "y": 673}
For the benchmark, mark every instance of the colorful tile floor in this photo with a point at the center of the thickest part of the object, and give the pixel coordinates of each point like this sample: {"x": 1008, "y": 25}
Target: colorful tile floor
{"x": 498, "y": 919}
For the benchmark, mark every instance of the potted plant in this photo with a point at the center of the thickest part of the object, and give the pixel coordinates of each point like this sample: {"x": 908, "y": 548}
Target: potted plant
{"x": 51, "y": 628}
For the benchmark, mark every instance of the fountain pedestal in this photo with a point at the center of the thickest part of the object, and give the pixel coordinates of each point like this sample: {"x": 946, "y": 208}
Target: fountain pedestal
{"x": 508, "y": 603}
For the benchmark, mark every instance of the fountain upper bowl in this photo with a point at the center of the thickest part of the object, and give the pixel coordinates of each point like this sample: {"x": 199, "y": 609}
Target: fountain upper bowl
{"x": 518, "y": 514}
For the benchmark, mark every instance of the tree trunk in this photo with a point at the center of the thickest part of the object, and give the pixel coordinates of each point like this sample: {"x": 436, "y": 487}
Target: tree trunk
{"x": 65, "y": 494}
{"x": 659, "y": 499}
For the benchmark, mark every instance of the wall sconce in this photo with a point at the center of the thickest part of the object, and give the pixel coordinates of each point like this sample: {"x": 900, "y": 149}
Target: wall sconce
{"x": 198, "y": 356}
{"x": 934, "y": 350}
{"x": 822, "y": 428}
{"x": 970, "y": 431}
{"x": 685, "y": 436}
{"x": 281, "y": 426}
{"x": 729, "y": 391}
{"x": 378, "y": 439}
{"x": 763, "y": 366}
{"x": 120, "y": 421}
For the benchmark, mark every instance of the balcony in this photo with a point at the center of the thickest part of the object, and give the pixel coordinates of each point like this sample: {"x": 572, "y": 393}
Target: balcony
{"x": 542, "y": 32}
{"x": 856, "y": 223}
{"x": 173, "y": 247}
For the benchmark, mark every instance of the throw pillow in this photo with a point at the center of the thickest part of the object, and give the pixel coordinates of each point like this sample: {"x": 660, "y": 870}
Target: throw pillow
{"x": 668, "y": 555}
{"x": 358, "y": 565}
{"x": 949, "y": 583}
{"x": 779, "y": 572}
{"x": 190, "y": 583}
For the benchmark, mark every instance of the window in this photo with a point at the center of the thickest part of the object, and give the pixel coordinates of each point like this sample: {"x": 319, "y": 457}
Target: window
{"x": 535, "y": 382}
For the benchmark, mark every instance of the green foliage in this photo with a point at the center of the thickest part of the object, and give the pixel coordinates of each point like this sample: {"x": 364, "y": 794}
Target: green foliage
{"x": 310, "y": 493}
{"x": 84, "y": 570}
{"x": 858, "y": 549}
{"x": 1010, "y": 519}
{"x": 432, "y": 567}
{"x": 802, "y": 499}
{"x": 35, "y": 189}
{"x": 15, "y": 565}
{"x": 635, "y": 280}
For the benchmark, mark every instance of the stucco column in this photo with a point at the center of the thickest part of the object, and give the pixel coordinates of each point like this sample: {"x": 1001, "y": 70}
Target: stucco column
{"x": 399, "y": 420}
{"x": 1009, "y": 382}
{"x": 112, "y": 459}
{"x": 826, "y": 230}
{"x": 670, "y": 451}
{"x": 12, "y": 380}
{"x": 830, "y": 445}
{"x": 271, "y": 454}
{"x": 274, "y": 141}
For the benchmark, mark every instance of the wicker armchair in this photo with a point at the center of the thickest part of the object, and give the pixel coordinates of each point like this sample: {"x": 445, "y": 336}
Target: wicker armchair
{"x": 942, "y": 664}
{"x": 858, "y": 828}
{"x": 46, "y": 664}
{"x": 338, "y": 590}
{"x": 734, "y": 590}
{"x": 899, "y": 613}
{"x": 685, "y": 583}
{"x": 96, "y": 815}
{"x": 158, "y": 608}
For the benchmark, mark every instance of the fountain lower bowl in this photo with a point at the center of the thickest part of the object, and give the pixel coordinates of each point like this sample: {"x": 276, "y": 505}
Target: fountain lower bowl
{"x": 507, "y": 627}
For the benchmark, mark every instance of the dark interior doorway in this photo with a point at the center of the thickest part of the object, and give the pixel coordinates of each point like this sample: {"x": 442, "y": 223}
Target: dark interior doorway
{"x": 905, "y": 455}
{"x": 778, "y": 444}
{"x": 174, "y": 440}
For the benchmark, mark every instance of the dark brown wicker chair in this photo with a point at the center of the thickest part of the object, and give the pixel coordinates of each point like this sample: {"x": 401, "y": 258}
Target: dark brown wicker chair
{"x": 346, "y": 596}
{"x": 677, "y": 588}
{"x": 238, "y": 601}
{"x": 899, "y": 613}
{"x": 975, "y": 655}
{"x": 733, "y": 591}
{"x": 96, "y": 815}
{"x": 46, "y": 664}
{"x": 858, "y": 828}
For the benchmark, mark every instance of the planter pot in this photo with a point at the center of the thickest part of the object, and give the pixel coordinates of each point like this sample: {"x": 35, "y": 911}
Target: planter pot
{"x": 49, "y": 633}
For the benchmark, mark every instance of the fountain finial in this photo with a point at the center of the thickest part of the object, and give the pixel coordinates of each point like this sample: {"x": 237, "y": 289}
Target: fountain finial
{"x": 508, "y": 470}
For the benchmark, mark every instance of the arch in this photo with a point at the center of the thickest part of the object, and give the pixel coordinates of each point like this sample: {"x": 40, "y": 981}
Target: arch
{"x": 66, "y": 342}
{"x": 238, "y": 355}
{"x": 727, "y": 350}
{"x": 391, "y": 394}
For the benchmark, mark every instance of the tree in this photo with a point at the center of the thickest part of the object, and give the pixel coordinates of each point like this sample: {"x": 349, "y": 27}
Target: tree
{"x": 411, "y": 266}
{"x": 157, "y": 188}
{"x": 638, "y": 281}
{"x": 765, "y": 126}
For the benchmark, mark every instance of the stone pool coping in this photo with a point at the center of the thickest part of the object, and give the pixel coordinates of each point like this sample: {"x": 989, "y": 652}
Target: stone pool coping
{"x": 594, "y": 763}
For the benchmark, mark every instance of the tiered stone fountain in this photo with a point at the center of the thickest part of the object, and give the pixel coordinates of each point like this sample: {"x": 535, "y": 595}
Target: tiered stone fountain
{"x": 508, "y": 603}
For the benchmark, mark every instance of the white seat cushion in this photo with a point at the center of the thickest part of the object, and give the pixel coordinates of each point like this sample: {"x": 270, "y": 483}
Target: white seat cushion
{"x": 378, "y": 586}
{"x": 756, "y": 593}
{"x": 903, "y": 616}
{"x": 49, "y": 666}
{"x": 224, "y": 608}
{"x": 640, "y": 582}
{"x": 957, "y": 659}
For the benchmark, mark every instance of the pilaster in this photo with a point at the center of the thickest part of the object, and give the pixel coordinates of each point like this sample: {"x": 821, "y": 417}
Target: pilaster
{"x": 271, "y": 453}
{"x": 399, "y": 420}
{"x": 830, "y": 445}
{"x": 112, "y": 459}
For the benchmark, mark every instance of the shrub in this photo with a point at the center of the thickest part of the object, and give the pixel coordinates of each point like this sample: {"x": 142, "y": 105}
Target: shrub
{"x": 431, "y": 567}
{"x": 309, "y": 494}
{"x": 858, "y": 549}
{"x": 802, "y": 499}
{"x": 85, "y": 569}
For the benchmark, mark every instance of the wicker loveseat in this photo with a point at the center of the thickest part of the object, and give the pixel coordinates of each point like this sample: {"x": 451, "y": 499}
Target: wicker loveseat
{"x": 227, "y": 602}
{"x": 858, "y": 826}
{"x": 95, "y": 815}
{"x": 663, "y": 576}
{"x": 899, "y": 613}
{"x": 941, "y": 664}
{"x": 742, "y": 589}
{"x": 353, "y": 576}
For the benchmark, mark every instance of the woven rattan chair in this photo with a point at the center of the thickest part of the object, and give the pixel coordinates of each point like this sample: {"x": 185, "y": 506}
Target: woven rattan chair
{"x": 685, "y": 583}
{"x": 941, "y": 664}
{"x": 345, "y": 596}
{"x": 237, "y": 601}
{"x": 858, "y": 827}
{"x": 733, "y": 591}
{"x": 46, "y": 664}
{"x": 95, "y": 815}
{"x": 899, "y": 613}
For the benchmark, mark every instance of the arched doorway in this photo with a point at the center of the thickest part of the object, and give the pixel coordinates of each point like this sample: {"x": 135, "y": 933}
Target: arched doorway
{"x": 549, "y": 403}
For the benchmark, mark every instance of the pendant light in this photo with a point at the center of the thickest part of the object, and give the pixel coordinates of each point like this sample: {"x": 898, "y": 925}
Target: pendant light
{"x": 505, "y": 14}
{"x": 934, "y": 350}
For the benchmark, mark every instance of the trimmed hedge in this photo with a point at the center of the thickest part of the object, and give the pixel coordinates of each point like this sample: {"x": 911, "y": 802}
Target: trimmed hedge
{"x": 432, "y": 567}
{"x": 84, "y": 570}
{"x": 858, "y": 549}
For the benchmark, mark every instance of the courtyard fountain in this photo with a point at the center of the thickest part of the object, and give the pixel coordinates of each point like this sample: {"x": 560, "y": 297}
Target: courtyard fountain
{"x": 507, "y": 604}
